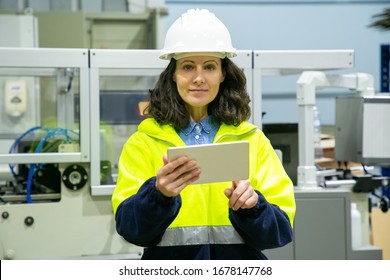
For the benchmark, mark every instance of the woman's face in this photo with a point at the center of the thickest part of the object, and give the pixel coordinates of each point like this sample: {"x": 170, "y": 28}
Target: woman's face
{"x": 198, "y": 79}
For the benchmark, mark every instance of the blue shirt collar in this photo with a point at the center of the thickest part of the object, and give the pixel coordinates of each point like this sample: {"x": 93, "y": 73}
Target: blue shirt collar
{"x": 208, "y": 125}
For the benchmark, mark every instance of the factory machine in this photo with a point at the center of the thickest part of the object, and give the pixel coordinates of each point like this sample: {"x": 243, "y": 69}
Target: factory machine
{"x": 65, "y": 114}
{"x": 323, "y": 225}
{"x": 361, "y": 141}
{"x": 47, "y": 210}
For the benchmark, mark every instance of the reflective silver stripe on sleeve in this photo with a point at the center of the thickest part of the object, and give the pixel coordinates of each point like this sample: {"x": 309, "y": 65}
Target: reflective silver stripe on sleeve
{"x": 200, "y": 235}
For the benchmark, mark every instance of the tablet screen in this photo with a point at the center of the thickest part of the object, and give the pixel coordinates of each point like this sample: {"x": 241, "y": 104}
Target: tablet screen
{"x": 220, "y": 162}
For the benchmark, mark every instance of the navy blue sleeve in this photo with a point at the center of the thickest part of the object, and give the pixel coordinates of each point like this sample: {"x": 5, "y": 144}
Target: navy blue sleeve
{"x": 143, "y": 218}
{"x": 264, "y": 226}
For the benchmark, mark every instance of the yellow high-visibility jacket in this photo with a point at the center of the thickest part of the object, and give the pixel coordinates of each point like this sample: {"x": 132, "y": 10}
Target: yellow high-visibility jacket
{"x": 199, "y": 217}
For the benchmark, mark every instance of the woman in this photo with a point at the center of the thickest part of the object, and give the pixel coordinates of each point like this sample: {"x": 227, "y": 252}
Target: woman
{"x": 200, "y": 98}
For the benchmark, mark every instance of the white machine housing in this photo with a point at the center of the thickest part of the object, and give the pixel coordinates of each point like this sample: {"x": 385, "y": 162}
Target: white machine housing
{"x": 362, "y": 129}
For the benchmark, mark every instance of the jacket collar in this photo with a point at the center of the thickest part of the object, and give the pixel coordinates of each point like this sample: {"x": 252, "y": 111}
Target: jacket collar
{"x": 167, "y": 133}
{"x": 244, "y": 128}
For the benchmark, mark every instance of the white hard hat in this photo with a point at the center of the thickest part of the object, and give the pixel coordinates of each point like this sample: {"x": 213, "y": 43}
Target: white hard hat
{"x": 197, "y": 31}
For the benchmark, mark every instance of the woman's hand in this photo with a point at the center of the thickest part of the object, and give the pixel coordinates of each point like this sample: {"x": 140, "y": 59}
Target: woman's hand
{"x": 241, "y": 195}
{"x": 174, "y": 176}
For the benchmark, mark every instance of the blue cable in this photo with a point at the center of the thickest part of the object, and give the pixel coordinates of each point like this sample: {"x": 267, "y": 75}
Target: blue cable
{"x": 31, "y": 173}
{"x": 50, "y": 133}
{"x": 16, "y": 143}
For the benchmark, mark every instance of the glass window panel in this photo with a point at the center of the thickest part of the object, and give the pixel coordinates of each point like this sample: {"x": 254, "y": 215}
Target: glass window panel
{"x": 38, "y": 102}
{"x": 39, "y": 115}
{"x": 123, "y": 97}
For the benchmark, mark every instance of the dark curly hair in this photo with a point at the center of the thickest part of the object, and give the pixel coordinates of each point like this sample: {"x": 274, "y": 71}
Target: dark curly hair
{"x": 231, "y": 105}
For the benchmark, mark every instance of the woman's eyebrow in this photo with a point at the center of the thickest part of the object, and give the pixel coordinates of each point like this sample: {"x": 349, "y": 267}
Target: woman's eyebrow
{"x": 211, "y": 60}
{"x": 186, "y": 61}
{"x": 192, "y": 61}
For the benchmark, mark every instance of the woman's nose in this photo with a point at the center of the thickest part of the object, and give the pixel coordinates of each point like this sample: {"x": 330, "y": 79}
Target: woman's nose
{"x": 199, "y": 79}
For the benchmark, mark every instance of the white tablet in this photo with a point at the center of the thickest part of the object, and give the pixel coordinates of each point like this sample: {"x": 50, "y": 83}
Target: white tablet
{"x": 219, "y": 162}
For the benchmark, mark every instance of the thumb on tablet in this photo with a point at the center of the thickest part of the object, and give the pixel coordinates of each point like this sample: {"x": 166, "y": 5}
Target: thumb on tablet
{"x": 228, "y": 192}
{"x": 165, "y": 159}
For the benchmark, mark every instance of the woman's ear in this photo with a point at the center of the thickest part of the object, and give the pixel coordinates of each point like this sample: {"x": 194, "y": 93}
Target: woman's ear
{"x": 223, "y": 76}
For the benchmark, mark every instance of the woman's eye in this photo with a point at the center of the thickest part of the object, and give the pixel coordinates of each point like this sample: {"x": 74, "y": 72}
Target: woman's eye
{"x": 210, "y": 67}
{"x": 187, "y": 67}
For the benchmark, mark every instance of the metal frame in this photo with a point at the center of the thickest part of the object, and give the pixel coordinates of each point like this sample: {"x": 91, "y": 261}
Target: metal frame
{"x": 254, "y": 63}
{"x": 289, "y": 62}
{"x": 127, "y": 62}
{"x": 282, "y": 63}
{"x": 53, "y": 58}
{"x": 92, "y": 63}
{"x": 307, "y": 84}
